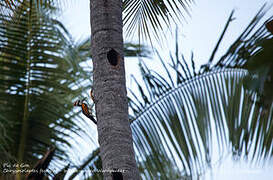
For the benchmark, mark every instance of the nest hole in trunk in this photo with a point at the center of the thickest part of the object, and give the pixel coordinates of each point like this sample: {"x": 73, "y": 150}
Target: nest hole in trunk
{"x": 113, "y": 57}
{"x": 117, "y": 176}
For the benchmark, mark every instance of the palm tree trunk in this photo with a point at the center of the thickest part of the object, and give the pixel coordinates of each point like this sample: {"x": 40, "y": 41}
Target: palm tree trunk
{"x": 115, "y": 136}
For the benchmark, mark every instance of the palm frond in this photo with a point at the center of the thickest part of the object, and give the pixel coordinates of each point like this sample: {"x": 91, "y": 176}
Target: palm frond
{"x": 38, "y": 80}
{"x": 148, "y": 17}
{"x": 260, "y": 66}
{"x": 246, "y": 44}
{"x": 184, "y": 117}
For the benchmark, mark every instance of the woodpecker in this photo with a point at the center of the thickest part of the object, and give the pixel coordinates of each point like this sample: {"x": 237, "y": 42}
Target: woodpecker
{"x": 85, "y": 109}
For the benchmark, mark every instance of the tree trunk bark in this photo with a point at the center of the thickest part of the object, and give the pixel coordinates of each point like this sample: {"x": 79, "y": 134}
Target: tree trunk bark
{"x": 110, "y": 97}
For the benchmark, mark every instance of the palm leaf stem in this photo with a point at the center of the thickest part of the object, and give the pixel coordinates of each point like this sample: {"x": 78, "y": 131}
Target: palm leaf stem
{"x": 24, "y": 125}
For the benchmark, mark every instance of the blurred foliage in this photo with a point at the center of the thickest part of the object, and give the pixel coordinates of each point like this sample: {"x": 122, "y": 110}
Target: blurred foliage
{"x": 182, "y": 113}
{"x": 90, "y": 167}
{"x": 167, "y": 170}
{"x": 38, "y": 79}
{"x": 260, "y": 67}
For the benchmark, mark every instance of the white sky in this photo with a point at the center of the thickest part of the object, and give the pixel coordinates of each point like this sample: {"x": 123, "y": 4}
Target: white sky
{"x": 199, "y": 34}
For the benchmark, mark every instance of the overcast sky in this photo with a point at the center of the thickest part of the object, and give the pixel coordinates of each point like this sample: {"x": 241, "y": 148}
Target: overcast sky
{"x": 199, "y": 34}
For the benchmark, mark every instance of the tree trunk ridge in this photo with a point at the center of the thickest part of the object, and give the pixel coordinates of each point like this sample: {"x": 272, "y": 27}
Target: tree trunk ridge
{"x": 110, "y": 96}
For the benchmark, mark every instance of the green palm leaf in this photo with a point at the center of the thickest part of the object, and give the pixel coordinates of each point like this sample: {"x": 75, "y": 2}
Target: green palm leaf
{"x": 146, "y": 17}
{"x": 38, "y": 78}
{"x": 180, "y": 119}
